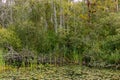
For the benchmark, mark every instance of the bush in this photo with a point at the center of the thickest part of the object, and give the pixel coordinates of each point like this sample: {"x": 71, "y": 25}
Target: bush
{"x": 24, "y": 58}
{"x": 105, "y": 43}
{"x": 13, "y": 58}
{"x": 27, "y": 57}
{"x": 9, "y": 38}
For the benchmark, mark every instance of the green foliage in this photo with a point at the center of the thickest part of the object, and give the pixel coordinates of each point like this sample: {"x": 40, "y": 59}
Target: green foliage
{"x": 65, "y": 28}
{"x": 26, "y": 33}
{"x": 8, "y": 37}
{"x": 1, "y": 57}
{"x": 114, "y": 58}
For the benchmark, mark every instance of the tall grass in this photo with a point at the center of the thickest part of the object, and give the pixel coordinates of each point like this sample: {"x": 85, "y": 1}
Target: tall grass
{"x": 2, "y": 67}
{"x": 1, "y": 58}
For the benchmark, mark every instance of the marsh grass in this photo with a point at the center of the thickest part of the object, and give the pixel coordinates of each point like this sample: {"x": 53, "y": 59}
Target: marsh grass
{"x": 1, "y": 57}
{"x": 2, "y": 65}
{"x": 51, "y": 72}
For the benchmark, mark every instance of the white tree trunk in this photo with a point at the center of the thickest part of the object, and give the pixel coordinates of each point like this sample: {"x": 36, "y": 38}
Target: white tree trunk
{"x": 61, "y": 13}
{"x": 55, "y": 17}
{"x": 117, "y": 6}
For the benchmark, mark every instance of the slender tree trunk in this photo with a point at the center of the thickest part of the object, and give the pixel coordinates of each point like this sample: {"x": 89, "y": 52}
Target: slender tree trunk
{"x": 67, "y": 21}
{"x": 55, "y": 17}
{"x": 45, "y": 19}
{"x": 88, "y": 5}
{"x": 74, "y": 21}
{"x": 11, "y": 15}
{"x": 117, "y": 6}
{"x": 61, "y": 13}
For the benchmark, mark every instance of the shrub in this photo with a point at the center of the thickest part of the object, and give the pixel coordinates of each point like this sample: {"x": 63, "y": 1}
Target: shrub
{"x": 114, "y": 58}
{"x": 8, "y": 37}
{"x": 27, "y": 57}
{"x": 24, "y": 58}
{"x": 13, "y": 58}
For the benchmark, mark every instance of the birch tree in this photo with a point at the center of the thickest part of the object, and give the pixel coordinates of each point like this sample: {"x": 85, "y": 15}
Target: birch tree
{"x": 55, "y": 16}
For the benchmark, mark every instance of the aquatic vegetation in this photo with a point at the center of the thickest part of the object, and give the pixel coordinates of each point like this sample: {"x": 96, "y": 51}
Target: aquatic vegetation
{"x": 50, "y": 72}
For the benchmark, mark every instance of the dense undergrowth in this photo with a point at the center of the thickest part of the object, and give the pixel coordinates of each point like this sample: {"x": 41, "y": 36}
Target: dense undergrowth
{"x": 49, "y": 37}
{"x": 96, "y": 46}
